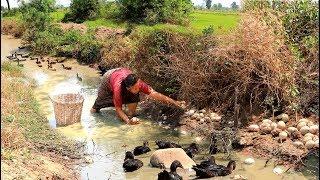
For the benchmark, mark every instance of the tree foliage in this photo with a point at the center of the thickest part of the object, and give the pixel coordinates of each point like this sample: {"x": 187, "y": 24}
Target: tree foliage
{"x": 234, "y": 6}
{"x": 208, "y": 4}
{"x": 81, "y": 10}
{"x": 155, "y": 11}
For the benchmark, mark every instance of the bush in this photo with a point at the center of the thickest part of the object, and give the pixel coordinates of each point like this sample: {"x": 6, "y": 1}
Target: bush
{"x": 208, "y": 31}
{"x": 36, "y": 17}
{"x": 155, "y": 11}
{"x": 81, "y": 10}
{"x": 13, "y": 27}
{"x": 110, "y": 10}
{"x": 88, "y": 49}
{"x": 153, "y": 57}
{"x": 117, "y": 52}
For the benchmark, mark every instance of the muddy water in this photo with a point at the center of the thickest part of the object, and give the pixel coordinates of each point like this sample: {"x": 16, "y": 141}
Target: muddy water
{"x": 107, "y": 138}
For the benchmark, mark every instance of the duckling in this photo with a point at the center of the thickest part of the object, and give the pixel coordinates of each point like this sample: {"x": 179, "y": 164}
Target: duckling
{"x": 130, "y": 164}
{"x": 172, "y": 175}
{"x": 53, "y": 69}
{"x": 141, "y": 149}
{"x": 214, "y": 170}
{"x": 191, "y": 150}
{"x": 21, "y": 47}
{"x": 80, "y": 79}
{"x": 21, "y": 65}
{"x": 38, "y": 62}
{"x": 166, "y": 144}
{"x": 65, "y": 67}
{"x": 18, "y": 54}
{"x": 33, "y": 58}
{"x": 39, "y": 65}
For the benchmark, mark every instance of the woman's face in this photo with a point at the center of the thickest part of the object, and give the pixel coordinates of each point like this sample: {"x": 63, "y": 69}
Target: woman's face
{"x": 135, "y": 88}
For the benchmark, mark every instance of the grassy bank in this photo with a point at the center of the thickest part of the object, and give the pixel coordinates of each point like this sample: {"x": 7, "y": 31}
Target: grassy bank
{"x": 25, "y": 133}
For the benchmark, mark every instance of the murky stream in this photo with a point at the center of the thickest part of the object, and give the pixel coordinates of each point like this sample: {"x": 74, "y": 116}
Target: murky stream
{"x": 108, "y": 138}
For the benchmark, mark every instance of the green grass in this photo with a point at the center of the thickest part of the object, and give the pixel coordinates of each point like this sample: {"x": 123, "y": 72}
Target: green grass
{"x": 221, "y": 21}
{"x": 104, "y": 22}
{"x": 58, "y": 15}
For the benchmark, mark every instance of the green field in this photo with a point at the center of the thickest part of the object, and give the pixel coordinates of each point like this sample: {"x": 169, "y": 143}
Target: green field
{"x": 221, "y": 21}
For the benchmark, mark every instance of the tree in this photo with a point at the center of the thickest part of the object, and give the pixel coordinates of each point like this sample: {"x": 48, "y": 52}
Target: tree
{"x": 215, "y": 7}
{"x": 81, "y": 10}
{"x": 8, "y": 4}
{"x": 234, "y": 6}
{"x": 220, "y": 6}
{"x": 155, "y": 11}
{"x": 208, "y": 3}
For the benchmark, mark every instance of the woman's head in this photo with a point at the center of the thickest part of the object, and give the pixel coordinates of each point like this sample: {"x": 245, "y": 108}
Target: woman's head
{"x": 131, "y": 83}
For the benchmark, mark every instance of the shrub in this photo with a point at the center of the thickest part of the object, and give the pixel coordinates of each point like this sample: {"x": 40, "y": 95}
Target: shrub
{"x": 81, "y": 10}
{"x": 152, "y": 59}
{"x": 117, "y": 52}
{"x": 36, "y": 17}
{"x": 14, "y": 27}
{"x": 208, "y": 31}
{"x": 88, "y": 49}
{"x": 155, "y": 11}
{"x": 110, "y": 10}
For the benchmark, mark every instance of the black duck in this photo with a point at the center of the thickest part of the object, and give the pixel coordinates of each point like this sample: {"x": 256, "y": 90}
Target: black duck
{"x": 130, "y": 164}
{"x": 172, "y": 175}
{"x": 141, "y": 149}
{"x": 214, "y": 170}
{"x": 191, "y": 150}
{"x": 166, "y": 144}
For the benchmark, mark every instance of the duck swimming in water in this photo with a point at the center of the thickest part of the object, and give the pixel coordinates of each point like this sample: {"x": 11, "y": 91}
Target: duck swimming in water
{"x": 214, "y": 170}
{"x": 172, "y": 175}
{"x": 141, "y": 149}
{"x": 191, "y": 150}
{"x": 130, "y": 164}
{"x": 166, "y": 144}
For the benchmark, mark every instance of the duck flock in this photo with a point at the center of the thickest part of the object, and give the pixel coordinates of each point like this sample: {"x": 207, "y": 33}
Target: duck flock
{"x": 206, "y": 169}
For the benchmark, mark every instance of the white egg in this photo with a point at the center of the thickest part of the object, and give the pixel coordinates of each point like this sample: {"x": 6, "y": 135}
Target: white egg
{"x": 281, "y": 125}
{"x": 314, "y": 129}
{"x": 201, "y": 115}
{"x": 284, "y": 117}
{"x": 253, "y": 128}
{"x": 292, "y": 129}
{"x": 267, "y": 121}
{"x": 310, "y": 144}
{"x": 202, "y": 111}
{"x": 316, "y": 138}
{"x": 273, "y": 125}
{"x": 304, "y": 120}
{"x": 301, "y": 124}
{"x": 304, "y": 130}
{"x": 283, "y": 135}
{"x": 309, "y": 134}
{"x": 307, "y": 138}
{"x": 249, "y": 161}
{"x": 316, "y": 144}
{"x": 310, "y": 123}
{"x": 297, "y": 144}
{"x": 277, "y": 170}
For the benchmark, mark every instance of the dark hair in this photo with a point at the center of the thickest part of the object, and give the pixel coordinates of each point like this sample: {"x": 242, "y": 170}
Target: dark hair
{"x": 129, "y": 81}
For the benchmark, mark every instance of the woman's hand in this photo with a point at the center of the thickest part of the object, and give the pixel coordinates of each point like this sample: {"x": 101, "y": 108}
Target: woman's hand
{"x": 134, "y": 121}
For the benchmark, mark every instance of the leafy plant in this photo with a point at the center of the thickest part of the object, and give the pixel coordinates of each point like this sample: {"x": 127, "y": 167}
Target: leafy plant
{"x": 81, "y": 10}
{"x": 208, "y": 31}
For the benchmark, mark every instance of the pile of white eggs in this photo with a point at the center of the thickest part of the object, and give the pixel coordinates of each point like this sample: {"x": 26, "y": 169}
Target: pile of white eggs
{"x": 305, "y": 131}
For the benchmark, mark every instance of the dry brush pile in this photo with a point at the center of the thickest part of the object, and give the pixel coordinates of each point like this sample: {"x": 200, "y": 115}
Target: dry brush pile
{"x": 247, "y": 66}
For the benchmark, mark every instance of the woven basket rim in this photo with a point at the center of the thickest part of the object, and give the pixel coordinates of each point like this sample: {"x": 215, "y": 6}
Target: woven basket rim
{"x": 55, "y": 97}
